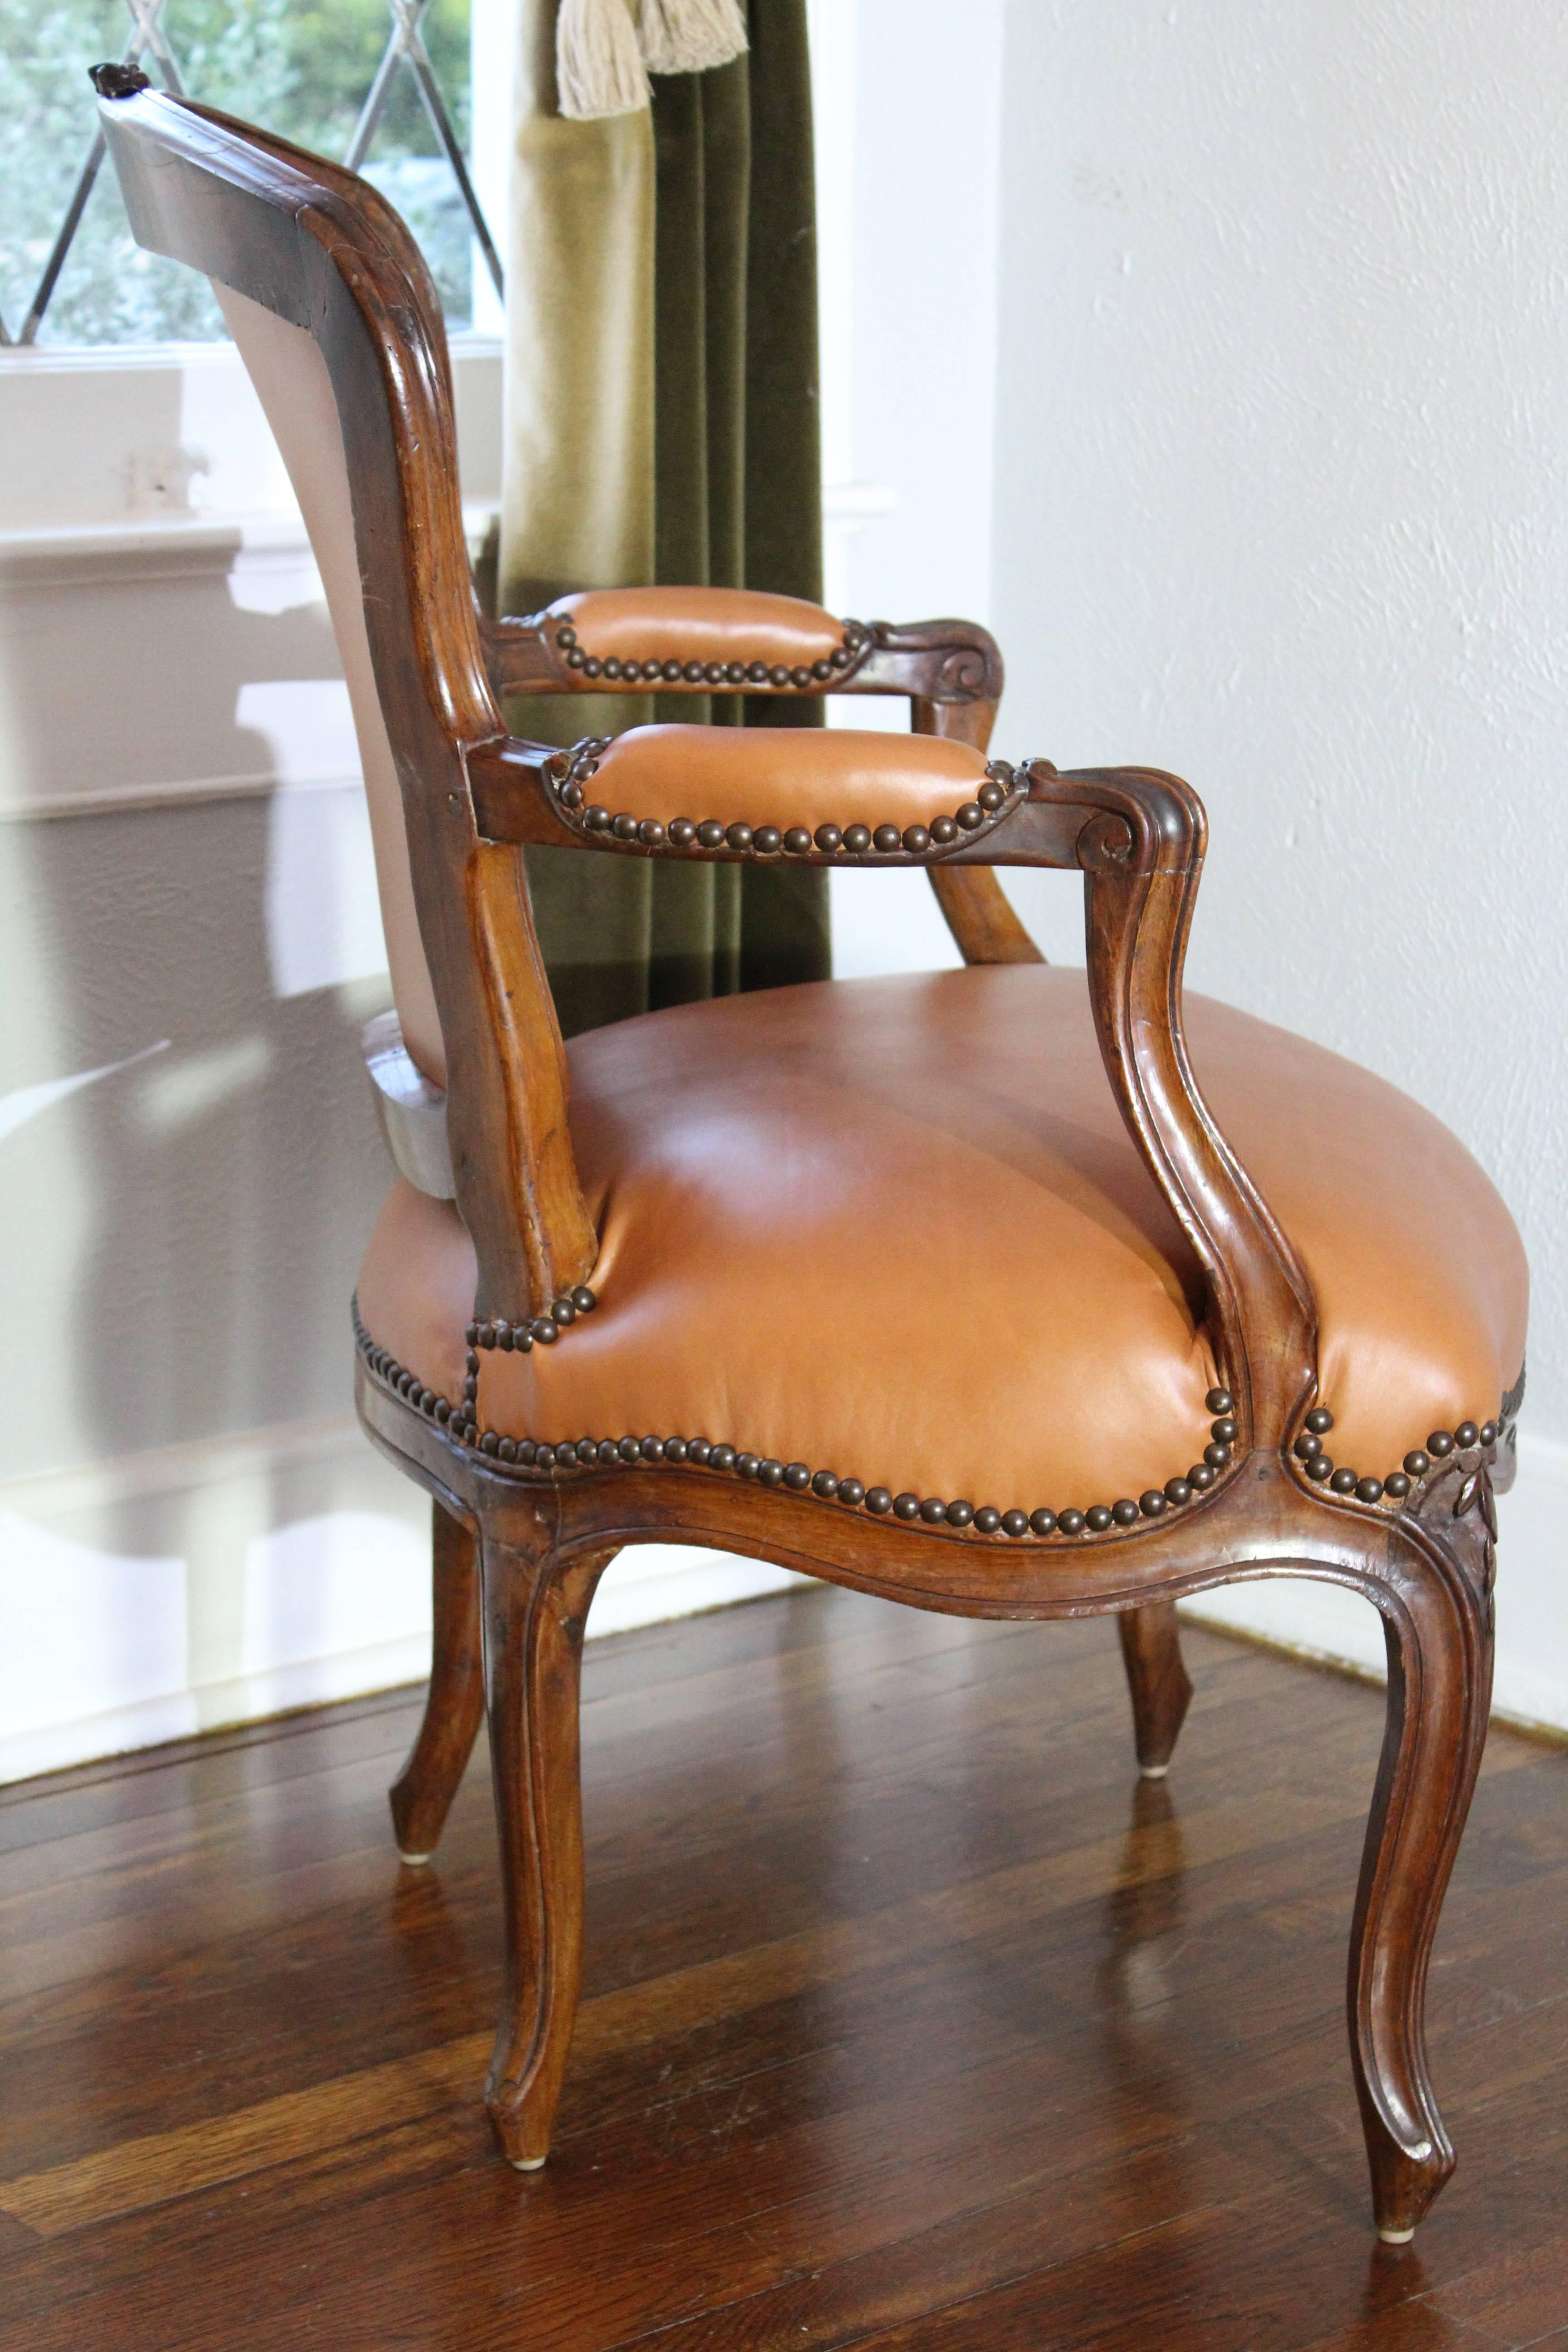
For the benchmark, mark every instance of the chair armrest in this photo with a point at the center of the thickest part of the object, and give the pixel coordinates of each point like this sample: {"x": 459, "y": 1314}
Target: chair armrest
{"x": 685, "y": 640}
{"x": 1137, "y": 836}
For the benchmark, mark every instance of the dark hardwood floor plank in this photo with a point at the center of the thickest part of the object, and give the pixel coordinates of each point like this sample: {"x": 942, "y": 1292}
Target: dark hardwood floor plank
{"x": 911, "y": 2018}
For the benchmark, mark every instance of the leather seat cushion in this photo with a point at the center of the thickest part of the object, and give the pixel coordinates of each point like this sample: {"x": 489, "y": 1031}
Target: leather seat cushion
{"x": 895, "y": 1229}
{"x": 785, "y": 776}
{"x": 700, "y": 624}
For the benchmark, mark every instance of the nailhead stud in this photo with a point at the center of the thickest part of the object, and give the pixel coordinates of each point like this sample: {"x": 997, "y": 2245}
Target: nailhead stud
{"x": 1225, "y": 1431}
{"x": 1099, "y": 1516}
{"x": 1217, "y": 1455}
{"x": 990, "y": 796}
{"x": 722, "y": 1458}
{"x": 767, "y": 838}
{"x": 770, "y": 1472}
{"x": 796, "y": 1476}
{"x": 1154, "y": 1503}
{"x": 800, "y": 676}
{"x": 1489, "y": 1432}
{"x": 820, "y": 669}
{"x": 596, "y": 819}
{"x": 1319, "y": 1467}
{"x": 1220, "y": 1401}
{"x": 544, "y": 1459}
{"x": 1419, "y": 1463}
{"x": 1201, "y": 1475}
{"x": 798, "y": 841}
{"x": 739, "y": 837}
{"x": 1343, "y": 1482}
{"x": 1016, "y": 1523}
{"x": 1368, "y": 1490}
{"x": 827, "y": 838}
{"x": 933, "y": 1510}
{"x": 944, "y": 830}
{"x": 1177, "y": 1491}
{"x": 757, "y": 672}
{"x": 987, "y": 1519}
{"x": 747, "y": 1464}
{"x": 624, "y": 826}
{"x": 825, "y": 1485}
{"x": 778, "y": 675}
{"x": 710, "y": 833}
{"x": 562, "y": 1311}
{"x": 583, "y": 1299}
{"x": 857, "y": 839}
{"x": 1320, "y": 1420}
{"x": 675, "y": 1449}
{"x": 887, "y": 837}
{"x": 1440, "y": 1444}
{"x": 971, "y": 815}
{"x": 853, "y": 1493}
{"x": 1398, "y": 1485}
{"x": 960, "y": 1514}
{"x": 650, "y": 832}
{"x": 652, "y": 1449}
{"x": 1467, "y": 1435}
{"x": 878, "y": 1501}
{"x": 1071, "y": 1523}
{"x": 1124, "y": 1511}
{"x": 916, "y": 838}
{"x": 1306, "y": 1446}
{"x": 906, "y": 1507}
{"x": 699, "y": 1451}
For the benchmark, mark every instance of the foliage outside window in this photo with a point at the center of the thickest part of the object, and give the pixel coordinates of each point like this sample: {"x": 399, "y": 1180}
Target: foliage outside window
{"x": 301, "y": 67}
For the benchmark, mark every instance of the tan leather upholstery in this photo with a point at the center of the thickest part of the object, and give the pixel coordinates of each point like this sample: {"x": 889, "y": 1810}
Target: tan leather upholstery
{"x": 292, "y": 386}
{"x": 894, "y": 1229}
{"x": 785, "y": 776}
{"x": 700, "y": 624}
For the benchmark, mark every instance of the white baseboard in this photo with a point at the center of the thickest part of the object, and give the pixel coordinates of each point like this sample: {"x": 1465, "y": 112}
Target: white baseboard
{"x": 1530, "y": 1686}
{"x": 218, "y": 1582}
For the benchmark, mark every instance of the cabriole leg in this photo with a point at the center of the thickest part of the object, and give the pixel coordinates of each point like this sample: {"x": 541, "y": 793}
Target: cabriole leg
{"x": 422, "y": 1794}
{"x": 1437, "y": 1623}
{"x": 1152, "y": 1652}
{"x": 534, "y": 1618}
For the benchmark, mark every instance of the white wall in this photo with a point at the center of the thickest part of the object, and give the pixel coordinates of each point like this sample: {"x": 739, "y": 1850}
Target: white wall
{"x": 1281, "y": 465}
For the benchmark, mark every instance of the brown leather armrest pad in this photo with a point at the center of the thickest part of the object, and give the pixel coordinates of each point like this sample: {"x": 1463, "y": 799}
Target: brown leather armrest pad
{"x": 705, "y": 625}
{"x": 785, "y": 776}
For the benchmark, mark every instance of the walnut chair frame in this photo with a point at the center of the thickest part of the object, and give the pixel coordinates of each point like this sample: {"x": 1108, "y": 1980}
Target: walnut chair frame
{"x": 521, "y": 1542}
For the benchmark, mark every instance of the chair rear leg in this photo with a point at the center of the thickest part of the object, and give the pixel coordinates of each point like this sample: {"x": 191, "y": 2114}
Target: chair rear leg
{"x": 534, "y": 1611}
{"x": 422, "y": 1794}
{"x": 1152, "y": 1652}
{"x": 1438, "y": 1624}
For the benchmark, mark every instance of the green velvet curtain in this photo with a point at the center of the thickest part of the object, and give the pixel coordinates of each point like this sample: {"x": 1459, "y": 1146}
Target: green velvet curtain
{"x": 663, "y": 425}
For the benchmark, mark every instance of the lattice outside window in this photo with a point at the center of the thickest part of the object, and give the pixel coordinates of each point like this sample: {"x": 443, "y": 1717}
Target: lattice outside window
{"x": 330, "y": 74}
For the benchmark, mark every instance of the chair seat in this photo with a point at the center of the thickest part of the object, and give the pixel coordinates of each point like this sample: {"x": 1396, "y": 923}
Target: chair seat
{"x": 895, "y": 1230}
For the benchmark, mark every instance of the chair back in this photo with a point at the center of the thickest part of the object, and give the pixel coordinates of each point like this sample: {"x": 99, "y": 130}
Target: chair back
{"x": 339, "y": 326}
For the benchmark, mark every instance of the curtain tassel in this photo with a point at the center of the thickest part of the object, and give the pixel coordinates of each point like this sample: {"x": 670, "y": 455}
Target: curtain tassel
{"x": 691, "y": 36}
{"x": 598, "y": 63}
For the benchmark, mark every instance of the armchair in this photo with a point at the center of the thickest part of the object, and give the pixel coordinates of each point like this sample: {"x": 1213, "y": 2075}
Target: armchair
{"x": 964, "y": 1289}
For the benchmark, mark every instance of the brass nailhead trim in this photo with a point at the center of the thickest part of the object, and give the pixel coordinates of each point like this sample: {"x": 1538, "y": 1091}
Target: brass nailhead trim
{"x": 1314, "y": 1460}
{"x": 570, "y": 773}
{"x": 775, "y": 676}
{"x": 461, "y": 1420}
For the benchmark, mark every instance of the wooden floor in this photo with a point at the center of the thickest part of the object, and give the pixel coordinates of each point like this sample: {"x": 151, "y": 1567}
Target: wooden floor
{"x": 912, "y": 2019}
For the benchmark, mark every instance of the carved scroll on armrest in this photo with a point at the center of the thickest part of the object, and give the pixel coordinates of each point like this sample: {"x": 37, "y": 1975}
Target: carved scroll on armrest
{"x": 412, "y": 1111}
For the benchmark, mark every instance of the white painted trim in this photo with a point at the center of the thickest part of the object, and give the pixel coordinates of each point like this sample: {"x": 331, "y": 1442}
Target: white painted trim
{"x": 1336, "y": 1628}
{"x": 649, "y": 1584}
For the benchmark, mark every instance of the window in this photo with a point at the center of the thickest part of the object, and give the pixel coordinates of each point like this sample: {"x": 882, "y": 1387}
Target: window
{"x": 303, "y": 67}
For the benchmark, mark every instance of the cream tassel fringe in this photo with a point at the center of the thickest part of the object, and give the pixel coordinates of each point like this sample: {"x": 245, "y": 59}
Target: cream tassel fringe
{"x": 690, "y": 36}
{"x": 598, "y": 63}
{"x": 601, "y": 56}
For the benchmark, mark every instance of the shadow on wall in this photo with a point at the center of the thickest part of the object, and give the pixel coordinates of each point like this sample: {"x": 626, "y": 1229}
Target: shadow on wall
{"x": 186, "y": 1228}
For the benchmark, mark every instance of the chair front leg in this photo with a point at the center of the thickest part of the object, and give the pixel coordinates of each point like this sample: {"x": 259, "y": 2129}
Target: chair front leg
{"x": 421, "y": 1796}
{"x": 1157, "y": 1679}
{"x": 534, "y": 1611}
{"x": 1437, "y": 1624}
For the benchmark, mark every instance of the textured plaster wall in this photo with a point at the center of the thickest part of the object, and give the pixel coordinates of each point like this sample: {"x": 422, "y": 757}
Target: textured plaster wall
{"x": 1282, "y": 467}
{"x": 1282, "y": 503}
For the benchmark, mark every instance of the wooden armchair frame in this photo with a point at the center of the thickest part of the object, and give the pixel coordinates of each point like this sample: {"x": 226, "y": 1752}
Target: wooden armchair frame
{"x": 520, "y": 1544}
